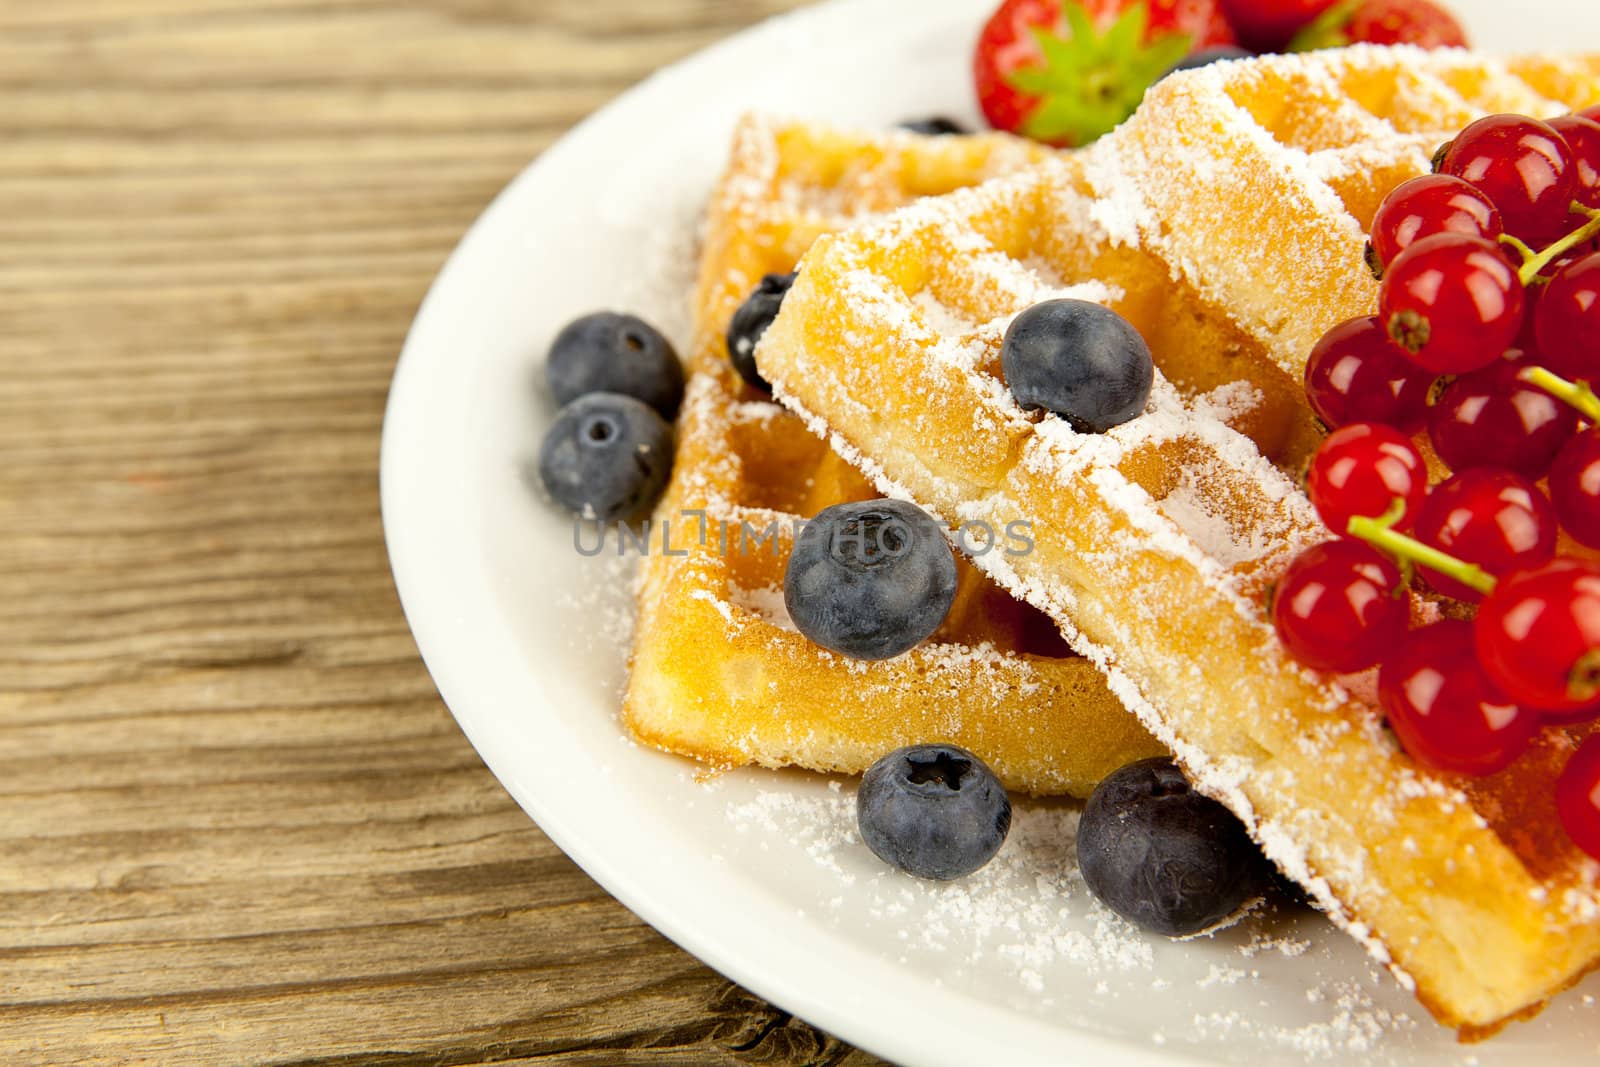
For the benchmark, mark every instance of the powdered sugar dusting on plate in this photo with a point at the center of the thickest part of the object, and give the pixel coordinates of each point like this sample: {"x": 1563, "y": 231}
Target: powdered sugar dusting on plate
{"x": 1029, "y": 914}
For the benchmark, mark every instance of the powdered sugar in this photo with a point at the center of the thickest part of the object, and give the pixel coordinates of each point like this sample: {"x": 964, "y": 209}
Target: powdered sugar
{"x": 1228, "y": 402}
{"x": 608, "y": 604}
{"x": 767, "y": 603}
{"x": 1029, "y": 915}
{"x": 942, "y": 319}
{"x": 1355, "y": 1027}
{"x": 1195, "y": 510}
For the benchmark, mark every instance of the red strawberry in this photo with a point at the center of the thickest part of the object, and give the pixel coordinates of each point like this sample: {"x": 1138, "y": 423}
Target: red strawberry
{"x": 1067, "y": 71}
{"x": 1268, "y": 25}
{"x": 1418, "y": 22}
{"x": 1202, "y": 20}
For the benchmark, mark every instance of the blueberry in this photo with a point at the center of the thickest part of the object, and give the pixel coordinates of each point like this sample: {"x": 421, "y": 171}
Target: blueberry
{"x": 751, "y": 321}
{"x": 606, "y": 456}
{"x": 1082, "y": 361}
{"x": 935, "y": 811}
{"x": 870, "y": 579}
{"x": 1207, "y": 56}
{"x": 1163, "y": 856}
{"x": 1289, "y": 892}
{"x": 606, "y": 352}
{"x": 933, "y": 126}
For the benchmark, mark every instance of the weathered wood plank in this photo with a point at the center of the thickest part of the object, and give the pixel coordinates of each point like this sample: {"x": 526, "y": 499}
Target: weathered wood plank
{"x": 236, "y": 823}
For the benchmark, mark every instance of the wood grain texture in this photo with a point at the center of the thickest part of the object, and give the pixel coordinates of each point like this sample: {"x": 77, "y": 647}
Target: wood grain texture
{"x": 236, "y": 823}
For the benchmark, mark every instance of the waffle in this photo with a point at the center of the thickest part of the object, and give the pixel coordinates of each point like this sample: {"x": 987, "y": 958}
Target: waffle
{"x": 1291, "y": 159}
{"x": 718, "y": 673}
{"x": 1157, "y": 542}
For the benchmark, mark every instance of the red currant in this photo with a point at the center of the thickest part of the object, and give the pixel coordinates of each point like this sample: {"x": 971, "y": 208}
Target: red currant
{"x": 1527, "y": 341}
{"x": 1525, "y": 168}
{"x": 1447, "y": 713}
{"x": 1578, "y": 797}
{"x": 1538, "y": 635}
{"x": 1340, "y": 606}
{"x": 1566, "y": 321}
{"x": 1433, "y": 203}
{"x": 1575, "y": 221}
{"x": 1360, "y": 469}
{"x": 1453, "y": 302}
{"x": 1533, "y": 295}
{"x": 1355, "y": 374}
{"x": 1583, "y": 140}
{"x": 1569, "y": 718}
{"x": 1492, "y": 518}
{"x": 1491, "y": 418}
{"x": 1575, "y": 488}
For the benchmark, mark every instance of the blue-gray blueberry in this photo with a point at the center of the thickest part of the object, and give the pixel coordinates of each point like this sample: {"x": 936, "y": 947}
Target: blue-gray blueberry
{"x": 1080, "y": 360}
{"x": 606, "y": 456}
{"x": 870, "y": 579}
{"x": 1163, "y": 856}
{"x": 751, "y": 321}
{"x": 935, "y": 811}
{"x": 608, "y": 352}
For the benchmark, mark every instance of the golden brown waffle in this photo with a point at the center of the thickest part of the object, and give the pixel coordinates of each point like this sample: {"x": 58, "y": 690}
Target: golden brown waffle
{"x": 1251, "y": 181}
{"x": 1240, "y": 183}
{"x": 1156, "y": 542}
{"x": 717, "y": 671}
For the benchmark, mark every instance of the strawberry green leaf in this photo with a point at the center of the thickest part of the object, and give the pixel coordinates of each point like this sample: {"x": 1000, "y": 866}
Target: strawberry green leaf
{"x": 1078, "y": 23}
{"x": 1088, "y": 82}
{"x": 1327, "y": 30}
{"x": 1159, "y": 57}
{"x": 1123, "y": 38}
{"x": 1076, "y": 122}
{"x": 1062, "y": 54}
{"x": 1035, "y": 81}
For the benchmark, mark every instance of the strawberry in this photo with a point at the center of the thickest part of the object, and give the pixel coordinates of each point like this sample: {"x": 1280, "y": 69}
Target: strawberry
{"x": 1418, "y": 22}
{"x": 1067, "y": 71}
{"x": 1268, "y": 25}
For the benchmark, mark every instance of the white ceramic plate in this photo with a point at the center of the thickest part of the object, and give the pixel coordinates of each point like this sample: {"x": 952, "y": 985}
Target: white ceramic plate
{"x": 757, "y": 873}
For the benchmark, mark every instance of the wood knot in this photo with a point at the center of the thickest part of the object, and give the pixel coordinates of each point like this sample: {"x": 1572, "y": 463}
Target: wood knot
{"x": 757, "y": 1032}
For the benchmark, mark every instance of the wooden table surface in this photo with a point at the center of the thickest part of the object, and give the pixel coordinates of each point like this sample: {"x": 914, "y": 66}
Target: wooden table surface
{"x": 237, "y": 825}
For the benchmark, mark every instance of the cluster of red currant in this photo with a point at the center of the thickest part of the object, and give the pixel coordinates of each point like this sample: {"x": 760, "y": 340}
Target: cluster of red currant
{"x": 1483, "y": 348}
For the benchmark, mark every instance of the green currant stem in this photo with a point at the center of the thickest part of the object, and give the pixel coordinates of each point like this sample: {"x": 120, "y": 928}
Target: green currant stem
{"x": 1578, "y": 394}
{"x": 1533, "y": 263}
{"x": 1522, "y": 247}
{"x": 1380, "y": 533}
